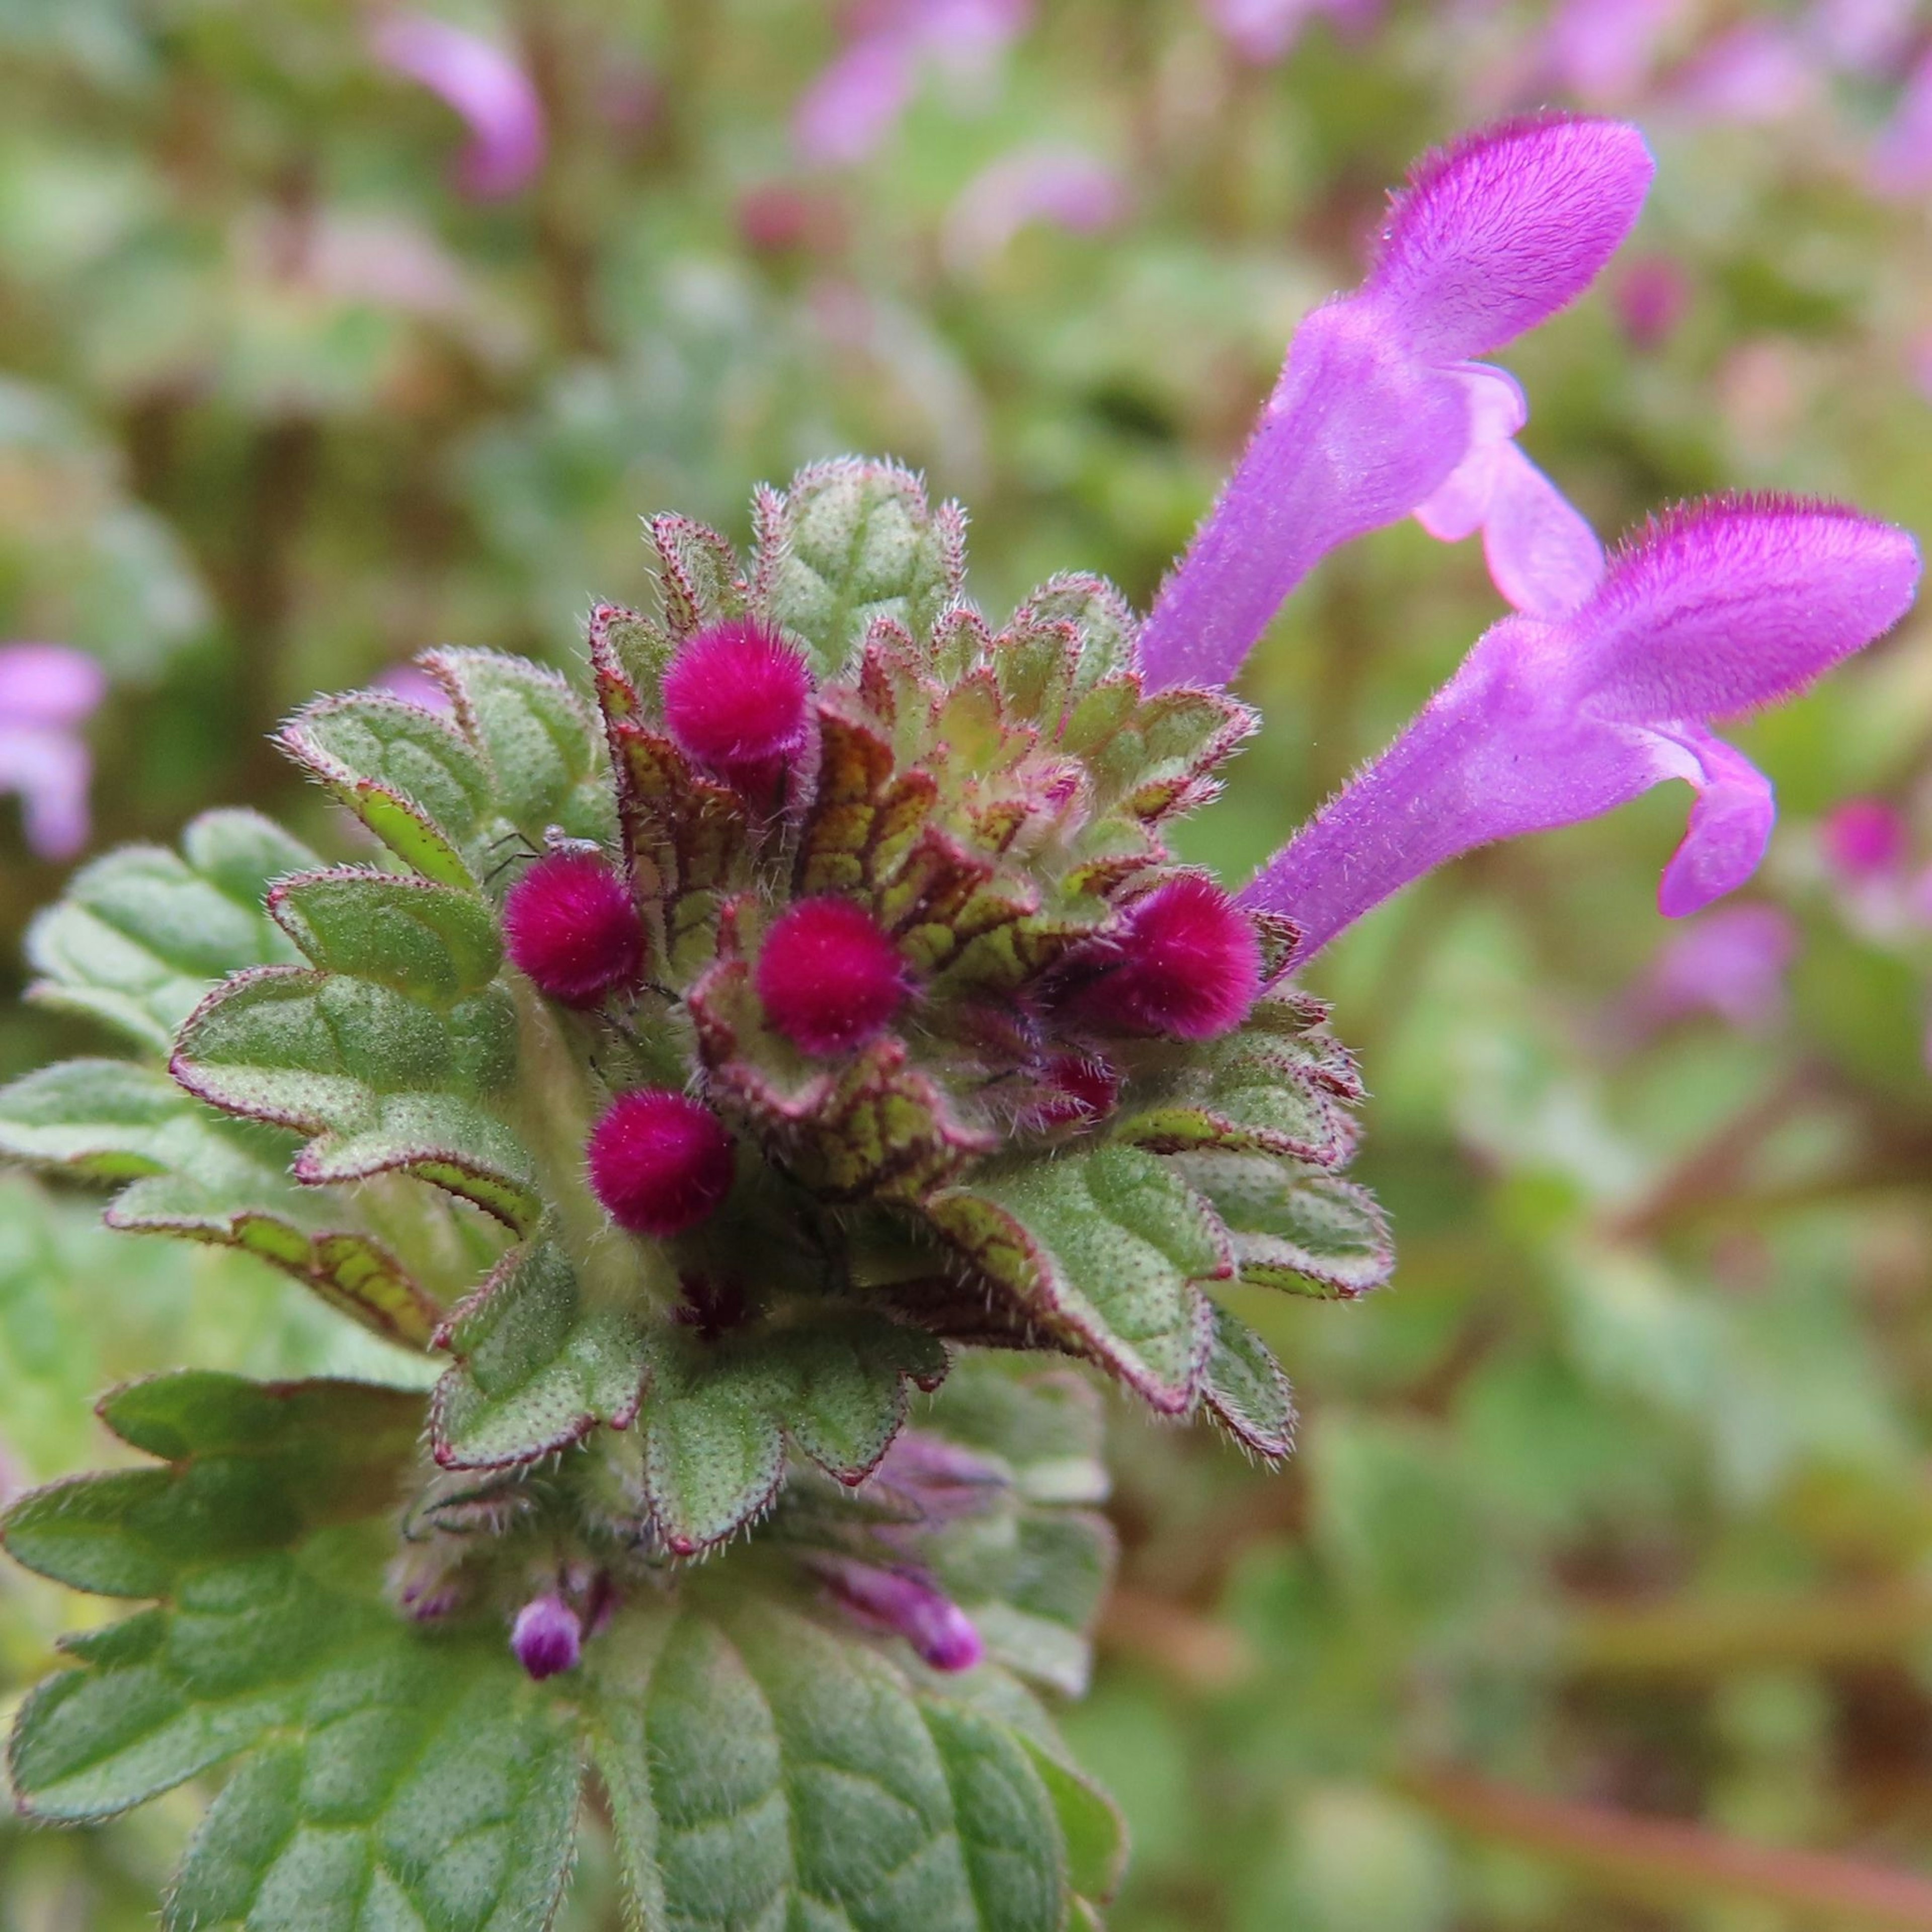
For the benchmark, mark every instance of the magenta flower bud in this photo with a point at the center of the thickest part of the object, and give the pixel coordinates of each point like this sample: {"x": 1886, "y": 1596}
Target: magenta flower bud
{"x": 660, "y": 1162}
{"x": 1190, "y": 965}
{"x": 830, "y": 977}
{"x": 941, "y": 1479}
{"x": 1863, "y": 838}
{"x": 906, "y": 1604}
{"x": 547, "y": 1636}
{"x": 1082, "y": 1089}
{"x": 570, "y": 925}
{"x": 736, "y": 701}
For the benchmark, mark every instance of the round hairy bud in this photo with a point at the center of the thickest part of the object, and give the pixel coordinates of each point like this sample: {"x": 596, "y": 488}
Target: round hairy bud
{"x": 1190, "y": 965}
{"x": 830, "y": 975}
{"x": 735, "y": 700}
{"x": 1080, "y": 1090}
{"x": 570, "y": 925}
{"x": 547, "y": 1636}
{"x": 660, "y": 1162}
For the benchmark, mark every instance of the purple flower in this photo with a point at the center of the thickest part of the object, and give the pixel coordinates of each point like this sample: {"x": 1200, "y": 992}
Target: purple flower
{"x": 1604, "y": 51}
{"x": 1900, "y": 162}
{"x": 1065, "y": 186}
{"x": 484, "y": 85}
{"x": 905, "y": 1602}
{"x": 547, "y": 1636}
{"x": 1263, "y": 31}
{"x": 1757, "y": 73}
{"x": 1731, "y": 962}
{"x": 1863, "y": 838}
{"x": 46, "y": 692}
{"x": 1713, "y": 611}
{"x": 851, "y": 108}
{"x": 1377, "y": 405}
{"x": 1651, "y": 297}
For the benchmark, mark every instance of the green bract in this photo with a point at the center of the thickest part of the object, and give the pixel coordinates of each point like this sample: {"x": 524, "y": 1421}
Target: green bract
{"x": 795, "y": 1732}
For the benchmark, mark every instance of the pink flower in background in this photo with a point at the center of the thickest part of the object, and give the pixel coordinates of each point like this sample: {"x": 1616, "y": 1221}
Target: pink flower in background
{"x": 1650, "y": 297}
{"x": 1732, "y": 963}
{"x": 1604, "y": 51}
{"x": 484, "y": 85}
{"x": 1066, "y": 186}
{"x": 1900, "y": 162}
{"x": 1863, "y": 838}
{"x": 1758, "y": 73}
{"x": 851, "y": 110}
{"x": 1861, "y": 36}
{"x": 413, "y": 686}
{"x": 1380, "y": 410}
{"x": 47, "y": 692}
{"x": 1713, "y": 612}
{"x": 1263, "y": 31}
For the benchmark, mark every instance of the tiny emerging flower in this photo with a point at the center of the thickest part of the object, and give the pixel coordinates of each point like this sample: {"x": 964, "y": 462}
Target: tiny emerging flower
{"x": 548, "y": 1637}
{"x": 484, "y": 85}
{"x": 571, "y": 927}
{"x": 735, "y": 701}
{"x": 1863, "y": 838}
{"x": 903, "y": 1602}
{"x": 1379, "y": 403}
{"x": 829, "y": 977}
{"x": 1713, "y": 612}
{"x": 661, "y": 1162}
{"x": 1189, "y": 966}
{"x": 47, "y": 692}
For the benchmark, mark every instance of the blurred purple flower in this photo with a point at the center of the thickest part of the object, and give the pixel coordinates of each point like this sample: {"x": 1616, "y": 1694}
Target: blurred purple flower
{"x": 1065, "y": 186}
{"x": 484, "y": 85}
{"x": 47, "y": 692}
{"x": 1731, "y": 962}
{"x": 851, "y": 108}
{"x": 1379, "y": 403}
{"x": 1861, "y": 36}
{"x": 1759, "y": 72}
{"x": 1604, "y": 51}
{"x": 1650, "y": 297}
{"x": 1863, "y": 838}
{"x": 1263, "y": 31}
{"x": 413, "y": 686}
{"x": 1900, "y": 162}
{"x": 902, "y": 1601}
{"x": 1713, "y": 611}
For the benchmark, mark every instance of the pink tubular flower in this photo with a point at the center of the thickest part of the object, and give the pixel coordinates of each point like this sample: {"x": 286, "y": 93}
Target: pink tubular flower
{"x": 903, "y": 1603}
{"x": 1055, "y": 183}
{"x": 1712, "y": 612}
{"x": 1900, "y": 164}
{"x": 1603, "y": 51}
{"x": 851, "y": 110}
{"x": 47, "y": 692}
{"x": 1377, "y": 405}
{"x": 1731, "y": 962}
{"x": 484, "y": 85}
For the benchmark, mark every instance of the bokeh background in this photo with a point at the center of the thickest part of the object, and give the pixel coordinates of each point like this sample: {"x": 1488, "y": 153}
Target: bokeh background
{"x": 1599, "y": 1596}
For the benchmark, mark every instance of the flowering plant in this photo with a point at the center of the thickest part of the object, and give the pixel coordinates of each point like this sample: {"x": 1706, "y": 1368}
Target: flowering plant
{"x": 811, "y": 1047}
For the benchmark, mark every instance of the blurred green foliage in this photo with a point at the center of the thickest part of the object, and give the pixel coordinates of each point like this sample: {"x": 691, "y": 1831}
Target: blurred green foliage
{"x": 1619, "y": 1503}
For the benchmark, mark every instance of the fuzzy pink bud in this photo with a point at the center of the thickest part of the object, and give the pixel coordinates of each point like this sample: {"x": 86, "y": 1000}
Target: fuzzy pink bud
{"x": 547, "y": 1636}
{"x": 735, "y": 700}
{"x": 660, "y": 1162}
{"x": 1082, "y": 1090}
{"x": 1190, "y": 965}
{"x": 830, "y": 977}
{"x": 570, "y": 925}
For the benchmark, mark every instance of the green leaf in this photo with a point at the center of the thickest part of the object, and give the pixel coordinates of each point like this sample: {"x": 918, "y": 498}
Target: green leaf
{"x": 192, "y": 1172}
{"x": 388, "y": 1775}
{"x": 537, "y": 1367}
{"x": 430, "y": 941}
{"x": 381, "y": 1081}
{"x": 141, "y": 933}
{"x": 1102, "y": 621}
{"x": 1245, "y": 1390}
{"x": 415, "y": 781}
{"x": 698, "y": 575}
{"x": 711, "y": 1435}
{"x": 764, "y": 1771}
{"x": 1102, "y": 1248}
{"x": 851, "y": 542}
{"x": 1293, "y": 1227}
{"x": 540, "y": 740}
